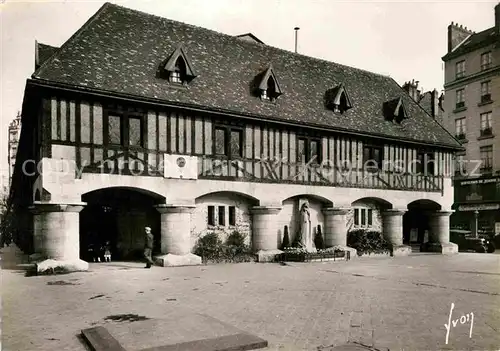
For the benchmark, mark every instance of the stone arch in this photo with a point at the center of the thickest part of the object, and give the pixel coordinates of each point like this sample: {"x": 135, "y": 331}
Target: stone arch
{"x": 377, "y": 200}
{"x": 416, "y": 222}
{"x": 289, "y": 215}
{"x": 118, "y": 215}
{"x": 223, "y": 212}
{"x": 323, "y": 200}
{"x": 146, "y": 192}
{"x": 366, "y": 213}
{"x": 424, "y": 204}
{"x": 238, "y": 193}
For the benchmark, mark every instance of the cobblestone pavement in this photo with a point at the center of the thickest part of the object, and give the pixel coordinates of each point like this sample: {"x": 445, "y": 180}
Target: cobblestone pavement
{"x": 385, "y": 303}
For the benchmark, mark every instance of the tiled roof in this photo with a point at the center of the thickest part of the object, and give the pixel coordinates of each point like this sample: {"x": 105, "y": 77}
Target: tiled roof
{"x": 44, "y": 52}
{"x": 120, "y": 50}
{"x": 476, "y": 40}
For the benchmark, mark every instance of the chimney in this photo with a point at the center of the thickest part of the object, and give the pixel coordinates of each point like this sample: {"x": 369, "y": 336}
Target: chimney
{"x": 435, "y": 103}
{"x": 456, "y": 34}
{"x": 412, "y": 89}
{"x": 497, "y": 19}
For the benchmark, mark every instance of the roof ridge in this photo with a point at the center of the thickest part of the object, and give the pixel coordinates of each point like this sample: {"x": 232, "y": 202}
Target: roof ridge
{"x": 70, "y": 39}
{"x": 235, "y": 38}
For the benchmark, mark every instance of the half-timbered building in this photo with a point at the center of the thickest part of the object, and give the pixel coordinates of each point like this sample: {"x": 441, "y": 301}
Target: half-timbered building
{"x": 139, "y": 120}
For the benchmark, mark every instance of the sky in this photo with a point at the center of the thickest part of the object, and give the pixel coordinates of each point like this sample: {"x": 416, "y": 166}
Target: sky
{"x": 402, "y": 39}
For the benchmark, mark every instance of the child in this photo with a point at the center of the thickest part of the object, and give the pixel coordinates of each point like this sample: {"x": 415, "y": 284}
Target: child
{"x": 107, "y": 252}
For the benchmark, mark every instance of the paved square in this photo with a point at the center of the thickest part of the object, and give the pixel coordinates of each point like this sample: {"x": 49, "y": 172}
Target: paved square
{"x": 385, "y": 303}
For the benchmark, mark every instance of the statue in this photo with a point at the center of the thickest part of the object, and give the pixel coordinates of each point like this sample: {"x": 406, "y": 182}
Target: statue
{"x": 305, "y": 239}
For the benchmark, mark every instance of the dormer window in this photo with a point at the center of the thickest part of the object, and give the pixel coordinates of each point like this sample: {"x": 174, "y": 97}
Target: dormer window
{"x": 270, "y": 92}
{"x": 268, "y": 87}
{"x": 179, "y": 73}
{"x": 395, "y": 110}
{"x": 178, "y": 68}
{"x": 337, "y": 99}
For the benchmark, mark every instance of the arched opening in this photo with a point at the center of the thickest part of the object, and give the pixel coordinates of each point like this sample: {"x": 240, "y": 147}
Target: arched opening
{"x": 116, "y": 217}
{"x": 223, "y": 213}
{"x": 416, "y": 223}
{"x": 366, "y": 213}
{"x": 291, "y": 217}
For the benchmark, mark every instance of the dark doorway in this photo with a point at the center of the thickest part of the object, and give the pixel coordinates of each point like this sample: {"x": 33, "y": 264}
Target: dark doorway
{"x": 416, "y": 223}
{"x": 118, "y": 216}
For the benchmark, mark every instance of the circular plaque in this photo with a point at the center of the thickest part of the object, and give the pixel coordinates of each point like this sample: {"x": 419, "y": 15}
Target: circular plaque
{"x": 181, "y": 162}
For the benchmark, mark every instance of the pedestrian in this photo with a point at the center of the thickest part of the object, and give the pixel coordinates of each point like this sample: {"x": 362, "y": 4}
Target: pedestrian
{"x": 148, "y": 248}
{"x": 107, "y": 252}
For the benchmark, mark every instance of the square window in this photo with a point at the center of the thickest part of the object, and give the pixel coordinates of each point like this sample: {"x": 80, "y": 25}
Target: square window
{"x": 309, "y": 150}
{"x": 220, "y": 141}
{"x": 460, "y": 98}
{"x": 425, "y": 164}
{"x": 485, "y": 88}
{"x": 236, "y": 143}
{"x": 486, "y": 60}
{"x": 222, "y": 215}
{"x": 301, "y": 152}
{"x": 115, "y": 129}
{"x": 460, "y": 129}
{"x": 356, "y": 216}
{"x": 460, "y": 69}
{"x": 485, "y": 123}
{"x": 135, "y": 131}
{"x": 176, "y": 77}
{"x": 372, "y": 158}
{"x": 314, "y": 152}
{"x": 486, "y": 154}
{"x": 232, "y": 215}
{"x": 211, "y": 215}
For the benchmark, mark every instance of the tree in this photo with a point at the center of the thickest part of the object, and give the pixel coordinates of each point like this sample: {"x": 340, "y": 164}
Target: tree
{"x": 6, "y": 220}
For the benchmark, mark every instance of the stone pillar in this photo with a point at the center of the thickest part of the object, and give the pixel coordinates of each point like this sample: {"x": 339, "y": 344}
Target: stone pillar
{"x": 176, "y": 236}
{"x": 56, "y": 235}
{"x": 336, "y": 229}
{"x": 392, "y": 228}
{"x": 265, "y": 232}
{"x": 439, "y": 240}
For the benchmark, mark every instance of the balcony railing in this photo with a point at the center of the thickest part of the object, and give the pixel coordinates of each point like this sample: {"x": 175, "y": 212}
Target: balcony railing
{"x": 485, "y": 98}
{"x": 314, "y": 174}
{"x": 134, "y": 162}
{"x": 486, "y": 132}
{"x": 485, "y": 66}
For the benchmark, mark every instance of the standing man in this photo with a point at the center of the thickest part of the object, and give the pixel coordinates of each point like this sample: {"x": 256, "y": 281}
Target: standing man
{"x": 148, "y": 248}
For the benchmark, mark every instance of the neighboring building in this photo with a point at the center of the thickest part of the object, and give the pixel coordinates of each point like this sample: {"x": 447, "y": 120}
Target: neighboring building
{"x": 140, "y": 120}
{"x": 430, "y": 101}
{"x": 472, "y": 105}
{"x": 14, "y": 134}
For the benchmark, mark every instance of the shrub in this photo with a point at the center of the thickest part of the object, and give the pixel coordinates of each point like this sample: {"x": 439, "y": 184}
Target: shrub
{"x": 367, "y": 241}
{"x": 235, "y": 243}
{"x": 209, "y": 247}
